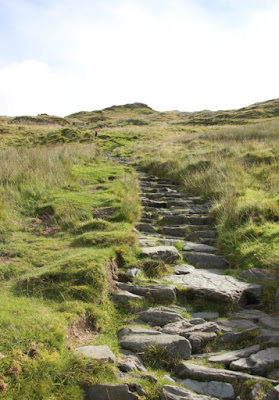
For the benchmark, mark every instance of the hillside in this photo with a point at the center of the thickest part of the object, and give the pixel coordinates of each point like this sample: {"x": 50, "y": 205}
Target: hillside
{"x": 159, "y": 239}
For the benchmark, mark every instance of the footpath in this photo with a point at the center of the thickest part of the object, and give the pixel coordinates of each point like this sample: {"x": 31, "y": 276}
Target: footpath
{"x": 172, "y": 218}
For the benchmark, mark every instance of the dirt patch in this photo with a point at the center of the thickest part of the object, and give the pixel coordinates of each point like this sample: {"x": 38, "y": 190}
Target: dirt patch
{"x": 112, "y": 276}
{"x": 5, "y": 259}
{"x": 81, "y": 332}
{"x": 50, "y": 230}
{"x": 103, "y": 213}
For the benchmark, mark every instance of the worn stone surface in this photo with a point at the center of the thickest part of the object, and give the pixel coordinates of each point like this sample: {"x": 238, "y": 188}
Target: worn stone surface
{"x": 221, "y": 390}
{"x": 236, "y": 325}
{"x": 199, "y": 339}
{"x": 205, "y": 260}
{"x": 144, "y": 227}
{"x": 273, "y": 394}
{"x": 269, "y": 336}
{"x": 276, "y": 301}
{"x": 269, "y": 321}
{"x": 206, "y": 315}
{"x": 160, "y": 316}
{"x": 161, "y": 293}
{"x": 227, "y": 358}
{"x": 139, "y": 340}
{"x": 123, "y": 296}
{"x": 176, "y": 393}
{"x": 258, "y": 275}
{"x": 169, "y": 254}
{"x": 97, "y": 352}
{"x": 203, "y": 248}
{"x": 259, "y": 362}
{"x": 213, "y": 285}
{"x": 188, "y": 327}
{"x": 109, "y": 392}
{"x": 183, "y": 269}
{"x": 128, "y": 361}
{"x": 237, "y": 337}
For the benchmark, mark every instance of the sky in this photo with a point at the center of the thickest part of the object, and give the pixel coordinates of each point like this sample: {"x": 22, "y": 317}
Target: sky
{"x": 65, "y": 56}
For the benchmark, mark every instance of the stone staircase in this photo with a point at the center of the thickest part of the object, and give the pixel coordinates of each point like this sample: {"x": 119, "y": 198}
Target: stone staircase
{"x": 172, "y": 218}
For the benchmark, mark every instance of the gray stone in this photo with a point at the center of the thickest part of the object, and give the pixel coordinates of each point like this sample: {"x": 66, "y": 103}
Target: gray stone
{"x": 176, "y": 393}
{"x": 175, "y": 231}
{"x": 227, "y": 358}
{"x": 207, "y": 241}
{"x": 160, "y": 316}
{"x": 203, "y": 248}
{"x": 199, "y": 339}
{"x": 215, "y": 286}
{"x": 276, "y": 302}
{"x": 259, "y": 362}
{"x": 154, "y": 203}
{"x": 168, "y": 378}
{"x": 124, "y": 296}
{"x": 109, "y": 392}
{"x": 205, "y": 260}
{"x": 133, "y": 272}
{"x": 128, "y": 361}
{"x": 135, "y": 387}
{"x": 257, "y": 392}
{"x": 208, "y": 234}
{"x": 184, "y": 220}
{"x": 201, "y": 373}
{"x": 273, "y": 394}
{"x": 143, "y": 227}
{"x": 140, "y": 339}
{"x": 236, "y": 337}
{"x": 259, "y": 316}
{"x": 161, "y": 293}
{"x": 187, "y": 327}
{"x": 221, "y": 390}
{"x": 258, "y": 275}
{"x": 96, "y": 352}
{"x": 183, "y": 269}
{"x": 270, "y": 337}
{"x": 206, "y": 315}
{"x": 236, "y": 325}
{"x": 169, "y": 254}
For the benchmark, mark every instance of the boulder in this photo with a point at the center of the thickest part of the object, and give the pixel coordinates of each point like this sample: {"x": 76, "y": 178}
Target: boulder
{"x": 109, "y": 392}
{"x": 139, "y": 339}
{"x": 227, "y": 358}
{"x": 160, "y": 293}
{"x": 96, "y": 352}
{"x": 176, "y": 393}
{"x": 205, "y": 260}
{"x": 160, "y": 316}
{"x": 169, "y": 254}
{"x": 221, "y": 390}
{"x": 203, "y": 248}
{"x": 128, "y": 361}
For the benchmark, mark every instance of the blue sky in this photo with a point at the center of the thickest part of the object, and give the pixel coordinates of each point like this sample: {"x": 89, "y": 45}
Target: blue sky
{"x": 63, "y": 56}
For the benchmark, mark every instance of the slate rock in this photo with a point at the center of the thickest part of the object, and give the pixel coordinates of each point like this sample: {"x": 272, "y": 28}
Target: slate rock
{"x": 128, "y": 361}
{"x": 183, "y": 269}
{"x": 276, "y": 302}
{"x": 96, "y": 352}
{"x": 258, "y": 275}
{"x": 199, "y": 339}
{"x": 161, "y": 293}
{"x": 228, "y": 357}
{"x": 205, "y": 260}
{"x": 269, "y": 336}
{"x": 231, "y": 325}
{"x": 139, "y": 339}
{"x": 273, "y": 394}
{"x": 259, "y": 362}
{"x": 176, "y": 393}
{"x": 175, "y": 231}
{"x": 144, "y": 227}
{"x": 187, "y": 327}
{"x": 109, "y": 392}
{"x": 206, "y": 315}
{"x": 160, "y": 316}
{"x": 221, "y": 390}
{"x": 169, "y": 254}
{"x": 135, "y": 387}
{"x": 257, "y": 392}
{"x": 203, "y": 248}
{"x": 123, "y": 296}
{"x": 236, "y": 337}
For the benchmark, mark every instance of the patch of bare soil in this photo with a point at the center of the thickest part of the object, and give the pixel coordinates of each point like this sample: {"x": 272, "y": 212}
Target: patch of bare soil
{"x": 5, "y": 259}
{"x": 80, "y": 333}
{"x": 103, "y": 213}
{"x": 112, "y": 276}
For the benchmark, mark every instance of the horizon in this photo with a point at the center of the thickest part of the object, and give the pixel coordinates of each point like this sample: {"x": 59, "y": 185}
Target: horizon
{"x": 58, "y": 57}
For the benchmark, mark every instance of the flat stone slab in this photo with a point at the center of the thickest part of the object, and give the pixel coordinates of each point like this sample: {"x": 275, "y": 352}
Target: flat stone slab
{"x": 170, "y": 220}
{"x": 128, "y": 361}
{"x": 123, "y": 297}
{"x": 183, "y": 269}
{"x": 231, "y": 325}
{"x": 160, "y": 316}
{"x": 259, "y": 362}
{"x": 176, "y": 393}
{"x": 138, "y": 340}
{"x": 143, "y": 227}
{"x": 269, "y": 336}
{"x": 96, "y": 352}
{"x": 164, "y": 293}
{"x": 109, "y": 392}
{"x": 169, "y": 254}
{"x": 267, "y": 320}
{"x": 221, "y": 390}
{"x": 205, "y": 260}
{"x": 206, "y": 315}
{"x": 227, "y": 358}
{"x": 203, "y": 248}
{"x": 201, "y": 373}
{"x": 213, "y": 285}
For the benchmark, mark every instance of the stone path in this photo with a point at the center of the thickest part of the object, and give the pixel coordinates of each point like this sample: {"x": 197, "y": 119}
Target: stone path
{"x": 170, "y": 217}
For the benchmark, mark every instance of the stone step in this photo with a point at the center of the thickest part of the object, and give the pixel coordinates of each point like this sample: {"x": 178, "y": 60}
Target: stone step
{"x": 154, "y": 204}
{"x": 205, "y": 260}
{"x": 143, "y": 227}
{"x": 160, "y": 293}
{"x": 203, "y": 248}
{"x": 208, "y": 242}
{"x": 202, "y": 234}
{"x": 183, "y": 220}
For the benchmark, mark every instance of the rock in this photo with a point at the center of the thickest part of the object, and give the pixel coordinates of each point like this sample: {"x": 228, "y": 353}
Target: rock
{"x": 276, "y": 302}
{"x": 259, "y": 316}
{"x": 169, "y": 254}
{"x": 206, "y": 315}
{"x": 109, "y": 392}
{"x": 154, "y": 203}
{"x": 258, "y": 275}
{"x": 205, "y": 260}
{"x": 161, "y": 293}
{"x": 124, "y": 296}
{"x": 169, "y": 220}
{"x": 236, "y": 337}
{"x": 257, "y": 392}
{"x": 133, "y": 272}
{"x": 207, "y": 241}
{"x": 199, "y": 339}
{"x": 139, "y": 339}
{"x": 183, "y": 269}
{"x": 197, "y": 372}
{"x": 177, "y": 393}
{"x": 143, "y": 227}
{"x": 188, "y": 327}
{"x": 175, "y": 231}
{"x": 160, "y": 316}
{"x": 97, "y": 352}
{"x": 215, "y": 286}
{"x": 273, "y": 394}
{"x": 259, "y": 362}
{"x": 203, "y": 248}
{"x": 135, "y": 387}
{"x": 221, "y": 390}
{"x": 168, "y": 378}
{"x": 269, "y": 337}
{"x": 209, "y": 234}
{"x": 227, "y": 358}
{"x": 231, "y": 325}
{"x": 128, "y": 361}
